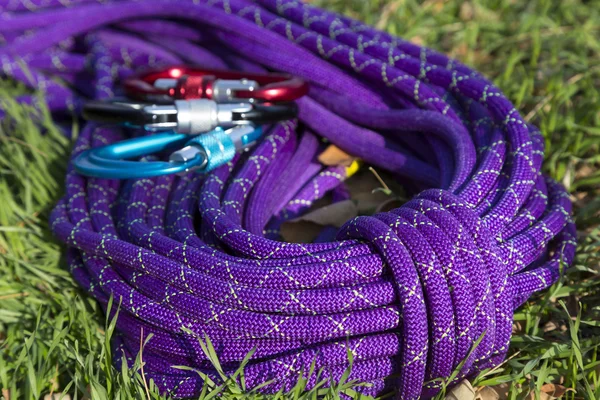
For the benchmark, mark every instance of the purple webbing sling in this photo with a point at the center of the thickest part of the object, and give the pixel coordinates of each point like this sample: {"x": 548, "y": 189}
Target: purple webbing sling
{"x": 409, "y": 292}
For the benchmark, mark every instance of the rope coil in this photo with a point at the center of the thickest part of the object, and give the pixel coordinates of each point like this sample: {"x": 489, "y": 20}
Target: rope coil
{"x": 408, "y": 292}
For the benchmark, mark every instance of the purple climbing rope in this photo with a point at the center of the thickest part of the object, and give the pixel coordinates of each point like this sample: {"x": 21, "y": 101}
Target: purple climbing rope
{"x": 408, "y": 292}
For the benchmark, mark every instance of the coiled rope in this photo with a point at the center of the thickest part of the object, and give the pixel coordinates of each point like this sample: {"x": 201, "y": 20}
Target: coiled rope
{"x": 408, "y": 292}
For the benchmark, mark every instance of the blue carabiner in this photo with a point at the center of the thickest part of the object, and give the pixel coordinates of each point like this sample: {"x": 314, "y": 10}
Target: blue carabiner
{"x": 210, "y": 150}
{"x": 107, "y": 161}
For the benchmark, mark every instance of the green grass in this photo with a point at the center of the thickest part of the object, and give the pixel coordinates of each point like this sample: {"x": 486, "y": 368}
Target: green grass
{"x": 544, "y": 54}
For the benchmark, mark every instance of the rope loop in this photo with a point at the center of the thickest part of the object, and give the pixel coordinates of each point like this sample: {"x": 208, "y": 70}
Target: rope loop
{"x": 408, "y": 292}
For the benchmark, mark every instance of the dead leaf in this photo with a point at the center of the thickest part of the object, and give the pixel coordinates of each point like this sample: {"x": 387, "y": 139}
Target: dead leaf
{"x": 369, "y": 202}
{"x": 517, "y": 327}
{"x": 418, "y": 40}
{"x": 300, "y": 232}
{"x": 550, "y": 391}
{"x": 487, "y": 393}
{"x": 502, "y": 390}
{"x": 389, "y": 205}
{"x": 460, "y": 51}
{"x": 573, "y": 305}
{"x": 463, "y": 391}
{"x": 555, "y": 390}
{"x": 550, "y": 326}
{"x": 336, "y": 214}
{"x": 366, "y": 200}
{"x": 583, "y": 171}
{"x": 57, "y": 396}
{"x": 5, "y": 394}
{"x": 333, "y": 155}
{"x": 467, "y": 11}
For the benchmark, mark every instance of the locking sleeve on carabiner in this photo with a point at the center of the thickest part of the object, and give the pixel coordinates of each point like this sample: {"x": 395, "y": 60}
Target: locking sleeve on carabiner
{"x": 187, "y": 116}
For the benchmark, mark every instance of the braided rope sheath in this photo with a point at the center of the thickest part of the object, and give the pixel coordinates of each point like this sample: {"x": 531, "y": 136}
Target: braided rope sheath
{"x": 408, "y": 292}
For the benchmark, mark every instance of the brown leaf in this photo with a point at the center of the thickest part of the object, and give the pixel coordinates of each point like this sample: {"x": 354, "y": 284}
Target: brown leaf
{"x": 336, "y": 214}
{"x": 517, "y": 327}
{"x": 333, "y": 155}
{"x": 497, "y": 392}
{"x": 554, "y": 390}
{"x": 583, "y": 171}
{"x": 305, "y": 228}
{"x": 389, "y": 205}
{"x": 467, "y": 11}
{"x": 57, "y": 396}
{"x": 460, "y": 51}
{"x": 573, "y": 305}
{"x": 551, "y": 391}
{"x": 5, "y": 394}
{"x": 300, "y": 232}
{"x": 418, "y": 40}
{"x": 369, "y": 202}
{"x": 463, "y": 391}
{"x": 550, "y": 326}
{"x": 487, "y": 393}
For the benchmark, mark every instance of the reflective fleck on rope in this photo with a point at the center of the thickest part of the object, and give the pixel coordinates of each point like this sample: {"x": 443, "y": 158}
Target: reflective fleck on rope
{"x": 409, "y": 292}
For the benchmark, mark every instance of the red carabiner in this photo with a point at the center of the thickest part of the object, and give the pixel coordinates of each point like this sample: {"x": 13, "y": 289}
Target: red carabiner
{"x": 183, "y": 82}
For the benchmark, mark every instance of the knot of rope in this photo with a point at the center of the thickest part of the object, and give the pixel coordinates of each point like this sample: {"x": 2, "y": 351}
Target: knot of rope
{"x": 412, "y": 294}
{"x": 451, "y": 282}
